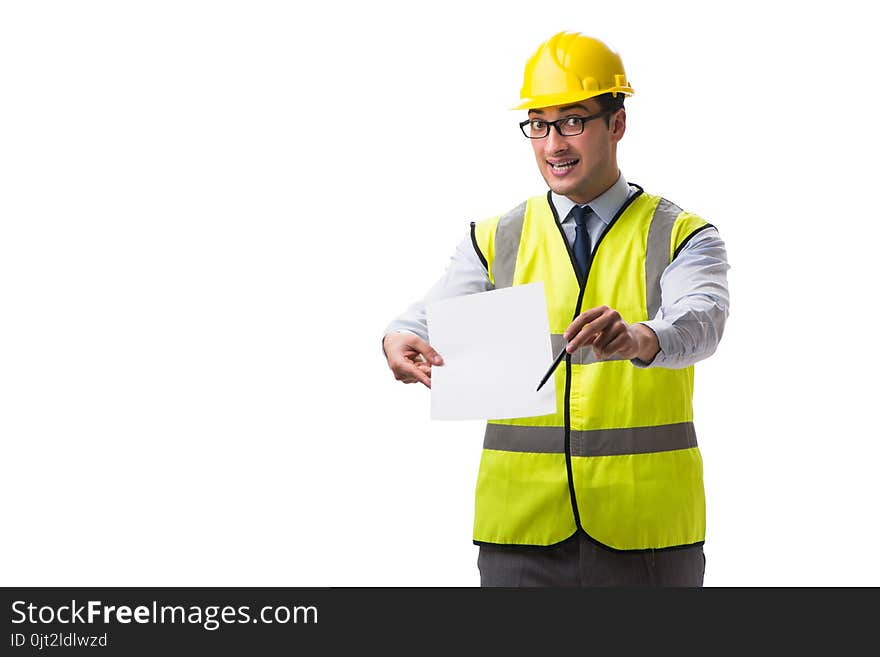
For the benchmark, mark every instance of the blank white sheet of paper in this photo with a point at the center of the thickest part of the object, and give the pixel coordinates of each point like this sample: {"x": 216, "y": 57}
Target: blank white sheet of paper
{"x": 495, "y": 347}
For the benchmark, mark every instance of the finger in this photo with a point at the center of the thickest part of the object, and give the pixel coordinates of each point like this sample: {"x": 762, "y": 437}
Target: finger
{"x": 608, "y": 335}
{"x": 584, "y": 318}
{"x": 419, "y": 362}
{"x": 427, "y": 351}
{"x": 422, "y": 377}
{"x": 589, "y": 333}
{"x": 413, "y": 358}
{"x": 595, "y": 324}
{"x": 408, "y": 373}
{"x": 407, "y": 345}
{"x": 617, "y": 345}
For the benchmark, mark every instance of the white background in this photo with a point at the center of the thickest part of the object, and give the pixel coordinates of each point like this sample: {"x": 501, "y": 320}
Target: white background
{"x": 211, "y": 210}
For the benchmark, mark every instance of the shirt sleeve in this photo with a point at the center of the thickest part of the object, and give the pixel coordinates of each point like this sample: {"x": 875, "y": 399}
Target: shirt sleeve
{"x": 464, "y": 275}
{"x": 694, "y": 303}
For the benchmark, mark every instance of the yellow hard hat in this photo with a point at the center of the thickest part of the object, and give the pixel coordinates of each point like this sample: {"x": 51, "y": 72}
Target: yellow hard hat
{"x": 569, "y": 67}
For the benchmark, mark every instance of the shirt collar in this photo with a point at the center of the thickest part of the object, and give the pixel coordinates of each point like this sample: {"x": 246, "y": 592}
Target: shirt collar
{"x": 605, "y": 206}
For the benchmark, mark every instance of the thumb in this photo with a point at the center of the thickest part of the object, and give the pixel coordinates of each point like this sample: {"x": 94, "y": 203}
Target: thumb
{"x": 428, "y": 352}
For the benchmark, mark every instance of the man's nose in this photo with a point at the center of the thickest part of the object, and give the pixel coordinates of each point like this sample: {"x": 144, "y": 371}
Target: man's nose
{"x": 554, "y": 142}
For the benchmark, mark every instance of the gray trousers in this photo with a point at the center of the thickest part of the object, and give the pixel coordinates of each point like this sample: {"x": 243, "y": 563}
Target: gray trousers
{"x": 581, "y": 562}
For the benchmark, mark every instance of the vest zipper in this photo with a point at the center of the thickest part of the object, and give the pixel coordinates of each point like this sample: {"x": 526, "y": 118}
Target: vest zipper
{"x": 577, "y": 311}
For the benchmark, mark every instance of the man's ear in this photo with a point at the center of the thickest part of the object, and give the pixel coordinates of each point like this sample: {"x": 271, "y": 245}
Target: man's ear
{"x": 618, "y": 124}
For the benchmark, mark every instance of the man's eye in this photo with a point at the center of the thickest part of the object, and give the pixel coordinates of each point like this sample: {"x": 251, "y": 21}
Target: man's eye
{"x": 538, "y": 125}
{"x": 573, "y": 122}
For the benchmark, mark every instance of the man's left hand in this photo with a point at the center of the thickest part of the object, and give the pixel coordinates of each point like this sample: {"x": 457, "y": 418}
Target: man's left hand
{"x": 604, "y": 329}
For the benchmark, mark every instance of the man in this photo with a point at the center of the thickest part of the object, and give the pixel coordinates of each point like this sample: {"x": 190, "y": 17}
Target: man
{"x": 609, "y": 490}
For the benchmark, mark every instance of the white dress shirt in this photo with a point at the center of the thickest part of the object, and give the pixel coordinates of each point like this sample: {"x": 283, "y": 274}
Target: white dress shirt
{"x": 694, "y": 296}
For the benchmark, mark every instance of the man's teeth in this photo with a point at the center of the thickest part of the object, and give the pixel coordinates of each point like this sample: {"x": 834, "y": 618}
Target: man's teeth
{"x": 563, "y": 165}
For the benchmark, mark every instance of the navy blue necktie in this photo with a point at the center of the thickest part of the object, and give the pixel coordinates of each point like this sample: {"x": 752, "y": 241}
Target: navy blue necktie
{"x": 581, "y": 238}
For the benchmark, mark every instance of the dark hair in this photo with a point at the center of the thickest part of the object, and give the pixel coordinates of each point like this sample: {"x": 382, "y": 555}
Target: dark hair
{"x": 609, "y": 103}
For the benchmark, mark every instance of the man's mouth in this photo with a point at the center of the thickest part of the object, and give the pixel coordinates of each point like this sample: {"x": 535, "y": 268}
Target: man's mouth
{"x": 562, "y": 166}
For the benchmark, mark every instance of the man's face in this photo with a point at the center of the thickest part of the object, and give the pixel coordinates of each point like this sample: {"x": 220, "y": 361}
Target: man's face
{"x": 582, "y": 166}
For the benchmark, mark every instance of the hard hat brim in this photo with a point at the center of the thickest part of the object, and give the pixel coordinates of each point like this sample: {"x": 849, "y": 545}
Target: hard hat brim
{"x": 567, "y": 98}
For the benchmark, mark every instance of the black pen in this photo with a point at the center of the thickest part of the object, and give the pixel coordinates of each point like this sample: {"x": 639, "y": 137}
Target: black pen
{"x": 555, "y": 364}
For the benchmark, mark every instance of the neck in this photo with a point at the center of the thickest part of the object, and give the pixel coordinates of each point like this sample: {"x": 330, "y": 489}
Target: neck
{"x": 597, "y": 187}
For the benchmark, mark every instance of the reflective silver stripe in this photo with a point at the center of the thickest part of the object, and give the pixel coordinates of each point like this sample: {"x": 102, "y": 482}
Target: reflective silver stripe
{"x": 583, "y": 356}
{"x": 543, "y": 440}
{"x": 507, "y": 237}
{"x": 658, "y": 252}
{"x": 637, "y": 440}
{"x": 599, "y": 442}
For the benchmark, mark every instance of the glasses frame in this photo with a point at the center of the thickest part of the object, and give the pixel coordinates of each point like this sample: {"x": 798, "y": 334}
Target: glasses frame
{"x": 555, "y": 124}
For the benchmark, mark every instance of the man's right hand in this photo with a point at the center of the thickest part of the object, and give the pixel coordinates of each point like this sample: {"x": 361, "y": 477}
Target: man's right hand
{"x": 410, "y": 357}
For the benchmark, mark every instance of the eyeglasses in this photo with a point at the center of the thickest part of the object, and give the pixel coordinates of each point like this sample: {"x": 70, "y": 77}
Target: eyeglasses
{"x": 567, "y": 127}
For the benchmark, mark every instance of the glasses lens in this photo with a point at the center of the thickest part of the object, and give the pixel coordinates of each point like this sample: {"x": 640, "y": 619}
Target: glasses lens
{"x": 536, "y": 129}
{"x": 573, "y": 125}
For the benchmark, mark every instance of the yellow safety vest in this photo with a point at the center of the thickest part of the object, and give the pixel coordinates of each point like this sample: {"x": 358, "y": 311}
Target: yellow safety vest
{"x": 619, "y": 459}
